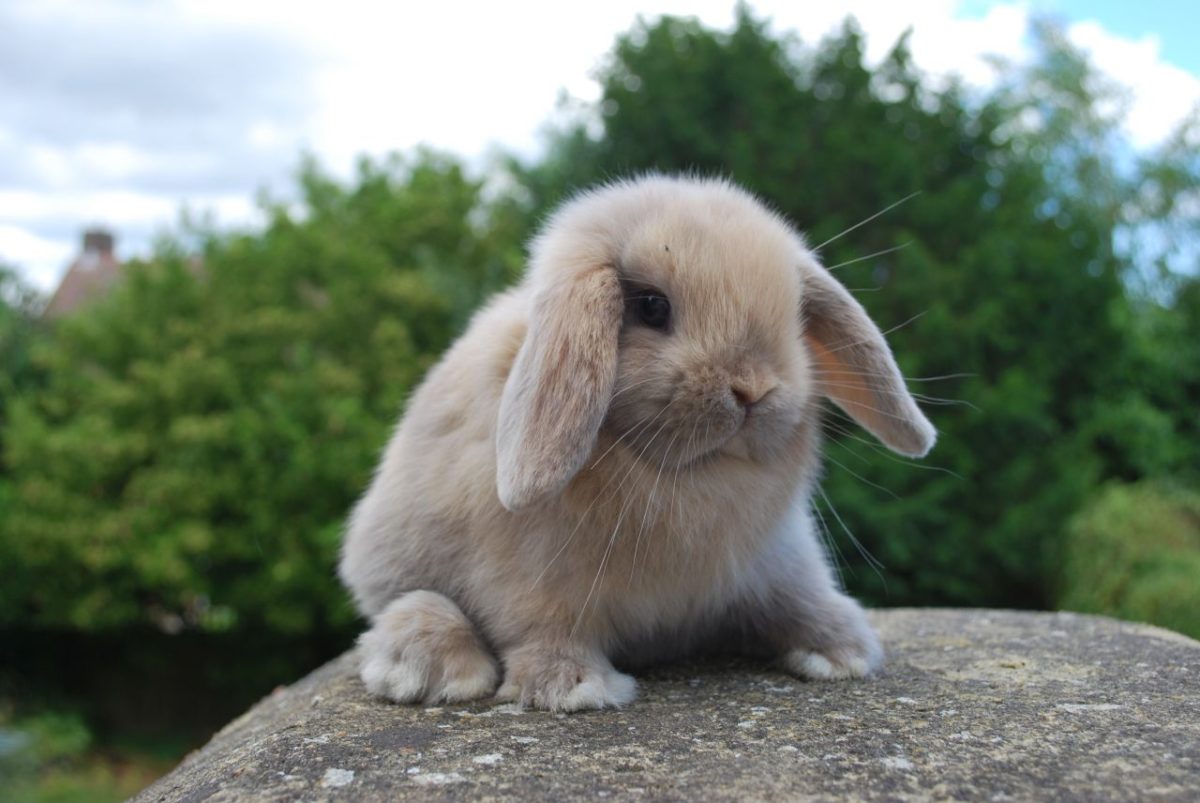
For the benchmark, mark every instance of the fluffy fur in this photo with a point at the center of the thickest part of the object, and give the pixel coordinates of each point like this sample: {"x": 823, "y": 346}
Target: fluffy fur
{"x": 569, "y": 487}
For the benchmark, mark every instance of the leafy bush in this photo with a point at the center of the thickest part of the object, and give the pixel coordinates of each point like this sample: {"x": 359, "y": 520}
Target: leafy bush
{"x": 1134, "y": 553}
{"x": 202, "y": 433}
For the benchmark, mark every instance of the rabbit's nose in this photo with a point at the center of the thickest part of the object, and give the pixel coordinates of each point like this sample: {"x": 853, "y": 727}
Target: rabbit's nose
{"x": 748, "y": 396}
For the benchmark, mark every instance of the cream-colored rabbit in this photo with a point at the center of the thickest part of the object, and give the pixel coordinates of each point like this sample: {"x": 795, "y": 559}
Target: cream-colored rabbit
{"x": 614, "y": 462}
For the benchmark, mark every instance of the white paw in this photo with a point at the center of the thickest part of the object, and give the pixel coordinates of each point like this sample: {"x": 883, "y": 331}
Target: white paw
{"x": 567, "y": 685}
{"x": 417, "y": 651}
{"x": 413, "y": 677}
{"x": 851, "y": 650}
{"x": 818, "y": 666}
{"x": 610, "y": 690}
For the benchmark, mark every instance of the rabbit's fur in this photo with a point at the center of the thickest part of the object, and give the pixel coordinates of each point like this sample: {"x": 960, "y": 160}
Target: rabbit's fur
{"x": 570, "y": 486}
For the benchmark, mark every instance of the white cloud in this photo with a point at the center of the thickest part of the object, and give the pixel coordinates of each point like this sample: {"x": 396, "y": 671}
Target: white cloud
{"x": 1160, "y": 93}
{"x": 961, "y": 46}
{"x": 40, "y": 257}
{"x": 126, "y": 110}
{"x": 117, "y": 208}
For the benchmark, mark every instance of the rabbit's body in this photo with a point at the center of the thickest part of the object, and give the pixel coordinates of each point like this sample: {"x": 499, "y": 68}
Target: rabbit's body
{"x": 501, "y": 522}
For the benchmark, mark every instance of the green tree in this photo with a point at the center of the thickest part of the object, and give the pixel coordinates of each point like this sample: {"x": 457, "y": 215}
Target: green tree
{"x": 18, "y": 331}
{"x": 204, "y": 431}
{"x": 19, "y": 306}
{"x": 1066, "y": 118}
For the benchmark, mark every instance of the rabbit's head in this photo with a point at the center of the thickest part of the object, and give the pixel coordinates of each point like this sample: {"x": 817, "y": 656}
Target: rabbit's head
{"x": 694, "y": 324}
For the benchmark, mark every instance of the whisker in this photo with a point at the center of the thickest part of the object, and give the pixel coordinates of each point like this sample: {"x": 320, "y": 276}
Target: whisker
{"x": 631, "y": 429}
{"x": 637, "y": 460}
{"x": 816, "y": 370}
{"x": 650, "y": 500}
{"x": 835, "y": 436}
{"x": 869, "y": 256}
{"x": 600, "y": 570}
{"x": 938, "y": 378}
{"x": 617, "y": 392}
{"x": 871, "y": 560}
{"x": 885, "y": 453}
{"x": 675, "y": 482}
{"x": 885, "y": 334}
{"x": 831, "y": 547}
{"x": 883, "y": 211}
{"x": 863, "y": 479}
{"x": 650, "y": 503}
{"x": 922, "y": 397}
{"x": 881, "y": 412}
{"x": 626, "y": 505}
{"x": 583, "y": 516}
{"x": 937, "y": 402}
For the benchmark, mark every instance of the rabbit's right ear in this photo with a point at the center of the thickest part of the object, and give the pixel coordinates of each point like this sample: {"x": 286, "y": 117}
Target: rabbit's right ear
{"x": 560, "y": 386}
{"x": 854, "y": 366}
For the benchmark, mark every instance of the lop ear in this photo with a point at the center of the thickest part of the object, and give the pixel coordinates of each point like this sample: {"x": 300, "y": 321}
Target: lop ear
{"x": 854, "y": 366}
{"x": 560, "y": 386}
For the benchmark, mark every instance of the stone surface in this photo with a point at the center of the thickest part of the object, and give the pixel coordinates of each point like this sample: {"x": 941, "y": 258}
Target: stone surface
{"x": 975, "y": 705}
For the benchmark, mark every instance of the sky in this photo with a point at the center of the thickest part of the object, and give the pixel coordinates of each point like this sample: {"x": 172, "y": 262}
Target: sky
{"x": 123, "y": 112}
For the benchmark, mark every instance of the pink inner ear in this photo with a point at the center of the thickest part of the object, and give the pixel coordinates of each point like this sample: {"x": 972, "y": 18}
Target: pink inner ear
{"x": 840, "y": 382}
{"x": 864, "y": 381}
{"x": 854, "y": 366}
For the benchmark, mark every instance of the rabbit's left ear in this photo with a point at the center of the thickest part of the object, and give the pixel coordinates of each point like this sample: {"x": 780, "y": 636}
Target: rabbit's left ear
{"x": 560, "y": 386}
{"x": 854, "y": 367}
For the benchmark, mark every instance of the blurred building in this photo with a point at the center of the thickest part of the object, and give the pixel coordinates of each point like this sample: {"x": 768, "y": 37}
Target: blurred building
{"x": 90, "y": 276}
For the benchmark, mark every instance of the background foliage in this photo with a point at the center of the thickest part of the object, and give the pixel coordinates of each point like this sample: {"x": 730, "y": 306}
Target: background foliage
{"x": 200, "y": 434}
{"x": 1134, "y": 551}
{"x": 178, "y": 458}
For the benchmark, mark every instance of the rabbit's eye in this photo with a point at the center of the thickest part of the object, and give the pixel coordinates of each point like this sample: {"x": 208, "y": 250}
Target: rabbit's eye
{"x": 652, "y": 309}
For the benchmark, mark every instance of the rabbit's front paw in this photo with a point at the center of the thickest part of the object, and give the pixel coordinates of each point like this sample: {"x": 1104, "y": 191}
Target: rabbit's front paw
{"x": 814, "y": 665}
{"x": 557, "y": 682}
{"x": 850, "y": 651}
{"x": 422, "y": 648}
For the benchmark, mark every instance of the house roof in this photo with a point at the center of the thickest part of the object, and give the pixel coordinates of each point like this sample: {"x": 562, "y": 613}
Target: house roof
{"x": 90, "y": 276}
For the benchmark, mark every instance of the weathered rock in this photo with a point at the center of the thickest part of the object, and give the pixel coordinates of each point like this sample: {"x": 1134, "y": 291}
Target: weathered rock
{"x": 977, "y": 705}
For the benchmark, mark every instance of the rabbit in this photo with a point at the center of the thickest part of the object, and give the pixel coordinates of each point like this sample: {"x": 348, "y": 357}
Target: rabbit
{"x": 613, "y": 464}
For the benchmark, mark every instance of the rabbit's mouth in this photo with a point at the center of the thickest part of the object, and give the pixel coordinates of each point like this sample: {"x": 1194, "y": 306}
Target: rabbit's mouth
{"x": 687, "y": 440}
{"x": 675, "y": 415}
